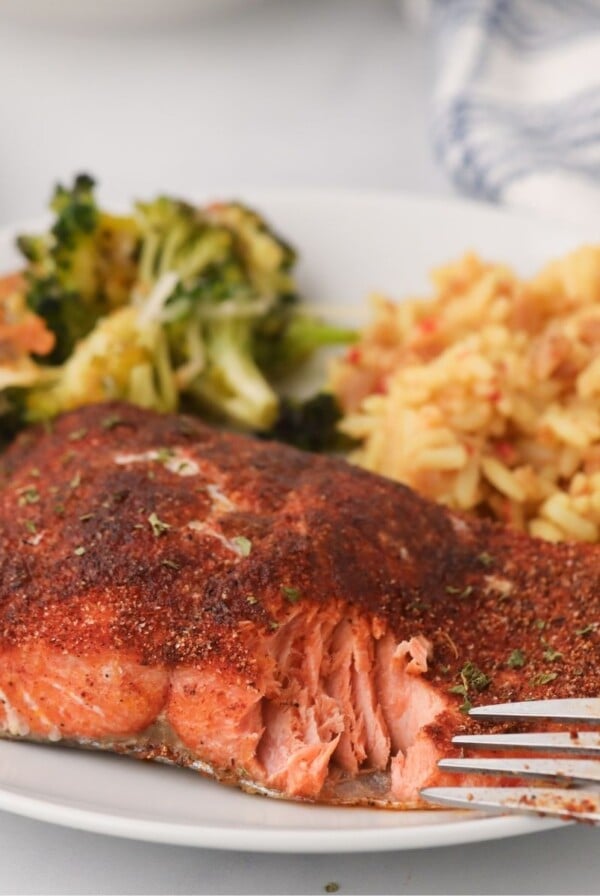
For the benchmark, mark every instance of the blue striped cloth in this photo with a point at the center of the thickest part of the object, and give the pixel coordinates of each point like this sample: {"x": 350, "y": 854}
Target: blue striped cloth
{"x": 516, "y": 113}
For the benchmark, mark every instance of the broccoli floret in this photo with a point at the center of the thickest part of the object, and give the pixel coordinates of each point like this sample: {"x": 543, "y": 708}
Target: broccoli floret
{"x": 76, "y": 211}
{"x": 283, "y": 337}
{"x": 124, "y": 357}
{"x": 172, "y": 303}
{"x": 230, "y": 312}
{"x": 80, "y": 269}
{"x": 311, "y": 425}
{"x": 287, "y": 338}
{"x": 231, "y": 384}
{"x": 12, "y": 414}
{"x": 268, "y": 260}
{"x": 176, "y": 238}
{"x": 209, "y": 309}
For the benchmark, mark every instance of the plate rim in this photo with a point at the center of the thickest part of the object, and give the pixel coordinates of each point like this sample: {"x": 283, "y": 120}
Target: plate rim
{"x": 313, "y": 193}
{"x": 274, "y": 840}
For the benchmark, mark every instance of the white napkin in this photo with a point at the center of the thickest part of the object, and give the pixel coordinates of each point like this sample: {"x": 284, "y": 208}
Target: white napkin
{"x": 516, "y": 113}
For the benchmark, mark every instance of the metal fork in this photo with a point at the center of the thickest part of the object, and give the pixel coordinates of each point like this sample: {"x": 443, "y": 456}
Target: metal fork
{"x": 578, "y": 797}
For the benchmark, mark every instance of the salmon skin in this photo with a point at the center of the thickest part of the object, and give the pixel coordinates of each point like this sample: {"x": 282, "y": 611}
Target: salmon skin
{"x": 281, "y": 621}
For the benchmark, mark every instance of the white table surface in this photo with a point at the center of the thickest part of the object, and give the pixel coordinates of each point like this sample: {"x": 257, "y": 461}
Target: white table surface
{"x": 272, "y": 93}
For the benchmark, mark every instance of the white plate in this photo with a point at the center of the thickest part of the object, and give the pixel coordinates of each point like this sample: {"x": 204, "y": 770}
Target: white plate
{"x": 350, "y": 244}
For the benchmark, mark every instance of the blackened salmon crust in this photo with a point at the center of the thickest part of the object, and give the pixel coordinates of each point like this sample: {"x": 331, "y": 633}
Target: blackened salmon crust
{"x": 176, "y": 546}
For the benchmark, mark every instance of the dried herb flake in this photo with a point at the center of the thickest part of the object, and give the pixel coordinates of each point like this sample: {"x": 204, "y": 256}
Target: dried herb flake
{"x": 544, "y": 677}
{"x": 474, "y": 677}
{"x": 164, "y": 455}
{"x": 158, "y": 526}
{"x": 486, "y": 559}
{"x": 170, "y": 564}
{"x": 29, "y": 495}
{"x": 461, "y": 690}
{"x": 471, "y": 679}
{"x": 243, "y": 545}
{"x": 516, "y": 660}
{"x": 459, "y": 591}
{"x": 291, "y": 594}
{"x": 111, "y": 422}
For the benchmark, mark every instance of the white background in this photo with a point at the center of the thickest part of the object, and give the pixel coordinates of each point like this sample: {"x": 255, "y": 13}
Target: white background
{"x": 268, "y": 93}
{"x": 303, "y": 92}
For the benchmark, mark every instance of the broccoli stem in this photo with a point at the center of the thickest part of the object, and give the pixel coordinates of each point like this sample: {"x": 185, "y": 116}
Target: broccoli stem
{"x": 235, "y": 385}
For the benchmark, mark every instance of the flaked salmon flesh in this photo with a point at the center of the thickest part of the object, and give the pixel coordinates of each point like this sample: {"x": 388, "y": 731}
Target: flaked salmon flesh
{"x": 281, "y": 621}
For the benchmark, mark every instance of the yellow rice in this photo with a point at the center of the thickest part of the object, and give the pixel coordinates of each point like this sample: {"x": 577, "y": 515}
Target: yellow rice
{"x": 486, "y": 397}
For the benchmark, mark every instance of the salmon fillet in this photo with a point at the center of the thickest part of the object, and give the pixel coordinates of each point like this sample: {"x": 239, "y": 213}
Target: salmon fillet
{"x": 281, "y": 621}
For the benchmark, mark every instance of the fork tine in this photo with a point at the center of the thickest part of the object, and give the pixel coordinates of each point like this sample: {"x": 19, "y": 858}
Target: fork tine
{"x": 571, "y": 805}
{"x": 585, "y": 710}
{"x": 585, "y": 743}
{"x": 584, "y": 771}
